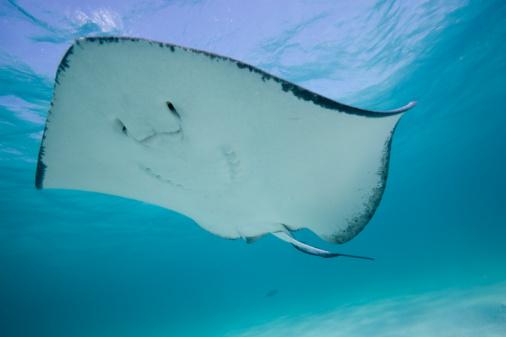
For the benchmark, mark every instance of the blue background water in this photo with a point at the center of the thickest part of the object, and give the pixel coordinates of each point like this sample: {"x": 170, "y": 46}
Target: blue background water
{"x": 79, "y": 264}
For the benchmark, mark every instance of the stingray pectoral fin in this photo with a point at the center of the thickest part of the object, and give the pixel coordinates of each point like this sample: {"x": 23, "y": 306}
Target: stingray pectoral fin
{"x": 376, "y": 113}
{"x": 303, "y": 247}
{"x": 401, "y": 109}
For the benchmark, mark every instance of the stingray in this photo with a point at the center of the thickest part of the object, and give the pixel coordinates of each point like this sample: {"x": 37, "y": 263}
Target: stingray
{"x": 241, "y": 152}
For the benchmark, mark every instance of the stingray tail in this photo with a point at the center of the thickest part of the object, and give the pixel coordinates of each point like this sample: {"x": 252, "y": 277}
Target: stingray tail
{"x": 305, "y": 248}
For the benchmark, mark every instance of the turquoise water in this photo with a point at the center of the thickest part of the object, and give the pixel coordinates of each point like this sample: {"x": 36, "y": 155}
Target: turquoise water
{"x": 80, "y": 264}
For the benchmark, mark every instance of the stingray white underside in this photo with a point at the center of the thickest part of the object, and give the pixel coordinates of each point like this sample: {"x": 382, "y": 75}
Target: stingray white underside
{"x": 239, "y": 151}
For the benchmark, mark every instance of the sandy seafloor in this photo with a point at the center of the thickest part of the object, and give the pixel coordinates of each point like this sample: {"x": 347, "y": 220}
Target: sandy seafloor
{"x": 81, "y": 264}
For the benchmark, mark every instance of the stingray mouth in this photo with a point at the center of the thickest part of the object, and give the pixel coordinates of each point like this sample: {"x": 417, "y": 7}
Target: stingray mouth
{"x": 161, "y": 135}
{"x": 145, "y": 138}
{"x": 167, "y": 125}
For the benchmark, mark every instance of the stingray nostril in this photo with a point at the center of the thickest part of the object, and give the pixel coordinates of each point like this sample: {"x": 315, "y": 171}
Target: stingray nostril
{"x": 173, "y": 109}
{"x": 121, "y": 126}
